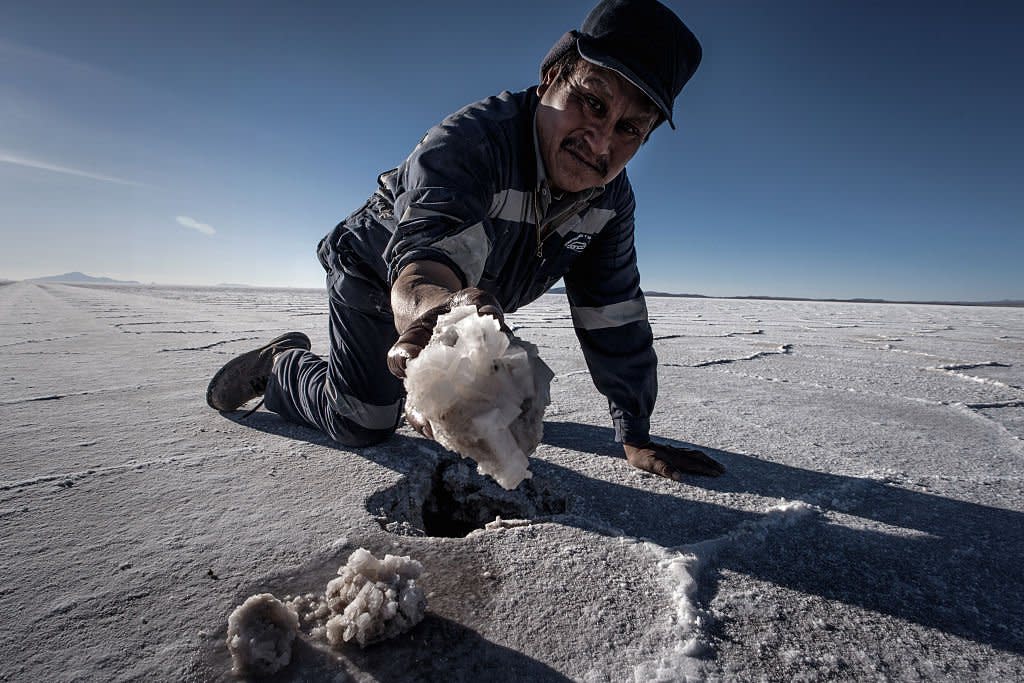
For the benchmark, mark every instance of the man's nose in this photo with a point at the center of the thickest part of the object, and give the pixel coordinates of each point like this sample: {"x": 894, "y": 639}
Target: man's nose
{"x": 599, "y": 136}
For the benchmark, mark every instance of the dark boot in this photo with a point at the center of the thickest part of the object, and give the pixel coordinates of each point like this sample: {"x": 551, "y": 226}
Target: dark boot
{"x": 245, "y": 377}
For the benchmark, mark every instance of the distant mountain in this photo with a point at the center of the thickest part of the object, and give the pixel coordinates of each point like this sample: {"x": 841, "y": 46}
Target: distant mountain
{"x": 686, "y": 296}
{"x": 233, "y": 285}
{"x": 82, "y": 277}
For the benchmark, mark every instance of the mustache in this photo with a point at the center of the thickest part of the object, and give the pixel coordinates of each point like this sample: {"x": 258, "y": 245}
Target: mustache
{"x": 579, "y": 147}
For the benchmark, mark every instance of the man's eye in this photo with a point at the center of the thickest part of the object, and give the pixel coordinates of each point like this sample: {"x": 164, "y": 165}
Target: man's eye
{"x": 594, "y": 103}
{"x": 630, "y": 129}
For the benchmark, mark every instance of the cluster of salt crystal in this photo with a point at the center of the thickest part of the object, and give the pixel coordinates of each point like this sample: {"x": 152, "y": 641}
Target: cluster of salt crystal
{"x": 260, "y": 635}
{"x": 374, "y": 599}
{"x": 483, "y": 394}
{"x": 371, "y": 600}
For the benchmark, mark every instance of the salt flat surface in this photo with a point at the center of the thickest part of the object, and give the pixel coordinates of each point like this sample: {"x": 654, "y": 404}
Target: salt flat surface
{"x": 870, "y": 525}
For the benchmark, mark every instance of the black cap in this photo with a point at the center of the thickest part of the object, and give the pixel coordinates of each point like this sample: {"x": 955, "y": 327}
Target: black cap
{"x": 643, "y": 41}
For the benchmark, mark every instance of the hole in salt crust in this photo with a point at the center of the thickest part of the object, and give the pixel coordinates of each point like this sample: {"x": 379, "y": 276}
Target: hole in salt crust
{"x": 456, "y": 500}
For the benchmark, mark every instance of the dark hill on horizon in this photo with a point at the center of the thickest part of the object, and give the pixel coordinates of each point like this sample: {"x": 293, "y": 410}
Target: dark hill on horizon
{"x": 78, "y": 277}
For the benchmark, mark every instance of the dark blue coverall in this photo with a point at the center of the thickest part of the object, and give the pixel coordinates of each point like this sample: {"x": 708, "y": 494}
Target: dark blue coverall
{"x": 469, "y": 196}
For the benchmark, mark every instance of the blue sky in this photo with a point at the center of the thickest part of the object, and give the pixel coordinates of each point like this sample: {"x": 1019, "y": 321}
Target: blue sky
{"x": 824, "y": 149}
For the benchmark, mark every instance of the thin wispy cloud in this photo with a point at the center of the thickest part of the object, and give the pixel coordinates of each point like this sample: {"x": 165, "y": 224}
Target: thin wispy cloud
{"x": 51, "y": 65}
{"x": 8, "y": 158}
{"x": 25, "y": 53}
{"x": 192, "y": 223}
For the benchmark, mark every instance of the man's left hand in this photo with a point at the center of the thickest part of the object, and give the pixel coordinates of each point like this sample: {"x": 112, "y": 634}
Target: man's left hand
{"x": 671, "y": 462}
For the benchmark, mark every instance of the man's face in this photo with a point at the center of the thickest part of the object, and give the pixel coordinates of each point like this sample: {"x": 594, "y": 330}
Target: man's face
{"x": 589, "y": 125}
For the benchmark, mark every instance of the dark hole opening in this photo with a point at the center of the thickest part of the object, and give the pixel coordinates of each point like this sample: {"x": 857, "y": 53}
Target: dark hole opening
{"x": 442, "y": 516}
{"x": 459, "y": 501}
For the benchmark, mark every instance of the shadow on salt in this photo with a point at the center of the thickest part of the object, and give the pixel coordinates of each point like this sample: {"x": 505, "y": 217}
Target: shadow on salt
{"x": 437, "y": 649}
{"x": 943, "y": 563}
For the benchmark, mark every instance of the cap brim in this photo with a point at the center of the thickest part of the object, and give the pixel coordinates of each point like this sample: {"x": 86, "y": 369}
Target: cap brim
{"x": 595, "y": 56}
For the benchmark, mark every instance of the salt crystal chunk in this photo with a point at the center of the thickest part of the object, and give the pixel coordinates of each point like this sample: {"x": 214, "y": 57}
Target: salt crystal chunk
{"x": 260, "y": 635}
{"x": 374, "y": 599}
{"x": 482, "y": 393}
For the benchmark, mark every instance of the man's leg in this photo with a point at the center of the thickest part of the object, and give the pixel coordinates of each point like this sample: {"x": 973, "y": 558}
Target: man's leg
{"x": 352, "y": 396}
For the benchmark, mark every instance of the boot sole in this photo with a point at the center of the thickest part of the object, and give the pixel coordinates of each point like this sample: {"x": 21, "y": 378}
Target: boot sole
{"x": 290, "y": 340}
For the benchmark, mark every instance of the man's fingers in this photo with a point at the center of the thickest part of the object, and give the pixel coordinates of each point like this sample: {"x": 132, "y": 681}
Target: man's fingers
{"x": 646, "y": 460}
{"x": 398, "y": 356}
{"x": 662, "y": 468}
{"x": 491, "y": 310}
{"x": 658, "y": 467}
{"x": 410, "y": 343}
{"x": 691, "y": 461}
{"x": 712, "y": 467}
{"x": 418, "y": 422}
{"x": 672, "y": 462}
{"x": 485, "y": 303}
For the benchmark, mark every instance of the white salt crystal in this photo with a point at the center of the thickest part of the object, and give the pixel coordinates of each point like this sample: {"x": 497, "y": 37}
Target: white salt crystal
{"x": 374, "y": 599}
{"x": 483, "y": 394}
{"x": 260, "y": 635}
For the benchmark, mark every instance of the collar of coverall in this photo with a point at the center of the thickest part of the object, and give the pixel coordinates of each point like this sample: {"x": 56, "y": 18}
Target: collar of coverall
{"x": 543, "y": 188}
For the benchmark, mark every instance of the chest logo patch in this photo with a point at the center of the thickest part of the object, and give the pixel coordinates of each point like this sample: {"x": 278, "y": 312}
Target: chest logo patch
{"x": 579, "y": 242}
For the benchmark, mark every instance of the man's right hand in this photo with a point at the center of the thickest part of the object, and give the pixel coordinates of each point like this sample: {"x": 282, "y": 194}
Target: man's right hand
{"x": 416, "y": 335}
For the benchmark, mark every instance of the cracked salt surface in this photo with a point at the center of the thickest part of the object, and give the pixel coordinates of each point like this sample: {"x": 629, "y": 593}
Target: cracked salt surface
{"x": 869, "y": 525}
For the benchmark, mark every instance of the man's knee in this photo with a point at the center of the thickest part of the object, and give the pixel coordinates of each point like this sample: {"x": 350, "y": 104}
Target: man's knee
{"x": 288, "y": 365}
{"x": 350, "y": 433}
{"x": 357, "y": 423}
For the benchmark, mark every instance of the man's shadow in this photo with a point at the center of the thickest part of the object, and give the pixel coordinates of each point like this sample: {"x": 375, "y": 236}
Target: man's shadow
{"x": 946, "y": 564}
{"x": 939, "y": 562}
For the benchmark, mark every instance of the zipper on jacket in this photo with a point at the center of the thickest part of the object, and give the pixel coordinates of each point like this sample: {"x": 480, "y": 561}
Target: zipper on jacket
{"x": 551, "y": 224}
{"x": 538, "y": 220}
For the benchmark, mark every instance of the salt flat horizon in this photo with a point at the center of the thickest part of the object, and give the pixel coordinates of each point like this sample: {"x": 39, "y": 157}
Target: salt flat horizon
{"x": 870, "y": 523}
{"x": 991, "y": 302}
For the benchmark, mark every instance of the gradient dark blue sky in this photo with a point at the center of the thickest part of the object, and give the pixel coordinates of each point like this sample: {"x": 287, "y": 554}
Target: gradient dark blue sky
{"x": 827, "y": 149}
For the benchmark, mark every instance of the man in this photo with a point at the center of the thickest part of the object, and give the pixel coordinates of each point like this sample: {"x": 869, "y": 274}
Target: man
{"x": 492, "y": 207}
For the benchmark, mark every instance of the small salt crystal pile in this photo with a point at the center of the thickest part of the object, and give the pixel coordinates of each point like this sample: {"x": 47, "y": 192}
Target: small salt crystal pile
{"x": 260, "y": 635}
{"x": 483, "y": 394}
{"x": 374, "y": 599}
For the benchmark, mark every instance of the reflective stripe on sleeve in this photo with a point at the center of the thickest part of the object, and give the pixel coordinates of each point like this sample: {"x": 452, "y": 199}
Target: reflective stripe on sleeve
{"x": 514, "y": 206}
{"x": 415, "y": 212}
{"x": 612, "y": 315}
{"x": 469, "y": 250}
